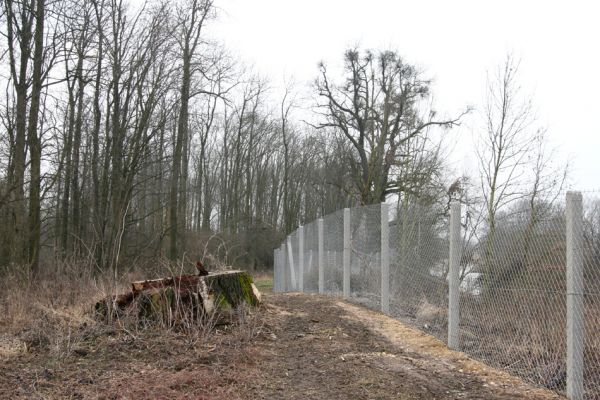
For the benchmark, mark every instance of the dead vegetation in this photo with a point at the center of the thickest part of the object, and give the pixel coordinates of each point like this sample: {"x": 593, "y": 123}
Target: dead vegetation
{"x": 54, "y": 311}
{"x": 292, "y": 347}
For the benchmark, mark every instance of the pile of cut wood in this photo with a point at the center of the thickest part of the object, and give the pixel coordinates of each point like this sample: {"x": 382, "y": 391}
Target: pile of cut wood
{"x": 182, "y": 298}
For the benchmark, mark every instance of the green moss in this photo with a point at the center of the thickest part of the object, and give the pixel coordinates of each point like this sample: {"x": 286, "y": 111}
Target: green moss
{"x": 225, "y": 291}
{"x": 234, "y": 289}
{"x": 221, "y": 302}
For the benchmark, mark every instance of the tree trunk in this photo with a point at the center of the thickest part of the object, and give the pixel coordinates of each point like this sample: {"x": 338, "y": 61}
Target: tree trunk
{"x": 182, "y": 132}
{"x": 76, "y": 225}
{"x": 33, "y": 139}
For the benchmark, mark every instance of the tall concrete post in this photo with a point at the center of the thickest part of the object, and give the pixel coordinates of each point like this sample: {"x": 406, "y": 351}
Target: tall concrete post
{"x": 290, "y": 253}
{"x": 575, "y": 322}
{"x": 276, "y": 274}
{"x": 385, "y": 259}
{"x": 320, "y": 255}
{"x": 280, "y": 255}
{"x": 281, "y": 271}
{"x": 301, "y": 259}
{"x": 284, "y": 272}
{"x": 330, "y": 265}
{"x": 453, "y": 272}
{"x": 346, "y": 254}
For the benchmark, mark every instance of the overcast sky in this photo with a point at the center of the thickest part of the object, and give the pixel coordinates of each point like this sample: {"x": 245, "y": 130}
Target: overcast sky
{"x": 455, "y": 43}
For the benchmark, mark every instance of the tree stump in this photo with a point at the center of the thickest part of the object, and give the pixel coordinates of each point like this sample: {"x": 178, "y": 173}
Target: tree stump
{"x": 182, "y": 298}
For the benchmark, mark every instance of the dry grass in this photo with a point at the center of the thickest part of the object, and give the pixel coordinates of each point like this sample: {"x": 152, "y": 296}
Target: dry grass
{"x": 53, "y": 345}
{"x": 51, "y": 311}
{"x": 54, "y": 312}
{"x": 288, "y": 348}
{"x": 522, "y": 332}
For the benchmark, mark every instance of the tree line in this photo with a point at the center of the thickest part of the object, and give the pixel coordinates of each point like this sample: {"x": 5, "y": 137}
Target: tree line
{"x": 128, "y": 132}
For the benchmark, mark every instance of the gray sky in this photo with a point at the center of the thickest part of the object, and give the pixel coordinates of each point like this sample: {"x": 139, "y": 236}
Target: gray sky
{"x": 454, "y": 42}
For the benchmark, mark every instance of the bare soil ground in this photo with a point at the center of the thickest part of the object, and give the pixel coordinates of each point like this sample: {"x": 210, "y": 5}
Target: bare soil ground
{"x": 295, "y": 346}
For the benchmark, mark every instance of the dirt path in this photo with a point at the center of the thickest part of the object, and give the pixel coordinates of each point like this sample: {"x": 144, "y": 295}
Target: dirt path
{"x": 295, "y": 347}
{"x": 328, "y": 349}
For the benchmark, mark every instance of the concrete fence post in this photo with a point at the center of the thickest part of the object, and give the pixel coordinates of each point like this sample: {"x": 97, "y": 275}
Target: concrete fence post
{"x": 301, "y": 259}
{"x": 575, "y": 322}
{"x": 453, "y": 272}
{"x": 330, "y": 265}
{"x": 338, "y": 264}
{"x": 282, "y": 265}
{"x": 284, "y": 273}
{"x": 320, "y": 255}
{"x": 276, "y": 274}
{"x": 385, "y": 259}
{"x": 281, "y": 255}
{"x": 346, "y": 254}
{"x": 291, "y": 261}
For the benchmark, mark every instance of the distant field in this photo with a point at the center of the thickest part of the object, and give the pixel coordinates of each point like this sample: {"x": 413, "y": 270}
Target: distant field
{"x": 264, "y": 282}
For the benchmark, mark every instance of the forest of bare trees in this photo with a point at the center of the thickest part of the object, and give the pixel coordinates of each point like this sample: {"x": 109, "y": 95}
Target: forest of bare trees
{"x": 128, "y": 133}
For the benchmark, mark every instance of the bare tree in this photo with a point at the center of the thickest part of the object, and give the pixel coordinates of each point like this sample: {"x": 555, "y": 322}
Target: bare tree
{"x": 504, "y": 146}
{"x": 519, "y": 173}
{"x": 287, "y": 104}
{"x": 378, "y": 109}
{"x": 190, "y": 22}
{"x": 548, "y": 179}
{"x": 30, "y": 45}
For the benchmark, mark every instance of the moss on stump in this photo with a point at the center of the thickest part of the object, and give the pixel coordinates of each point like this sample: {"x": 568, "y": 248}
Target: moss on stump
{"x": 182, "y": 298}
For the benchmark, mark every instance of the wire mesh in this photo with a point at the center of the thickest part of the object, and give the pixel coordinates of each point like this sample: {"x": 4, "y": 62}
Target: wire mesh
{"x": 514, "y": 316}
{"x": 513, "y": 281}
{"x": 591, "y": 294}
{"x": 311, "y": 267}
{"x": 365, "y": 265}
{"x": 333, "y": 242}
{"x": 419, "y": 268}
{"x": 293, "y": 240}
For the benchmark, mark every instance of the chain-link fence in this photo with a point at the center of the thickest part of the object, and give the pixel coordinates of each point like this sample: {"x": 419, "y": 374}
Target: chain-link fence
{"x": 591, "y": 293}
{"x": 514, "y": 314}
{"x": 526, "y": 282}
{"x": 419, "y": 268}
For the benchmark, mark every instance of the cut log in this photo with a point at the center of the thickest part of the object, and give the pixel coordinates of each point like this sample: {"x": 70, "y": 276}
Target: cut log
{"x": 182, "y": 298}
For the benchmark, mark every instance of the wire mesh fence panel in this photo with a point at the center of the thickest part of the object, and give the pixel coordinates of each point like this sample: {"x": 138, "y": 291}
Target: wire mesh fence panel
{"x": 514, "y": 316}
{"x": 419, "y": 268}
{"x": 591, "y": 294}
{"x": 513, "y": 281}
{"x": 311, "y": 267}
{"x": 365, "y": 265}
{"x": 333, "y": 238}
